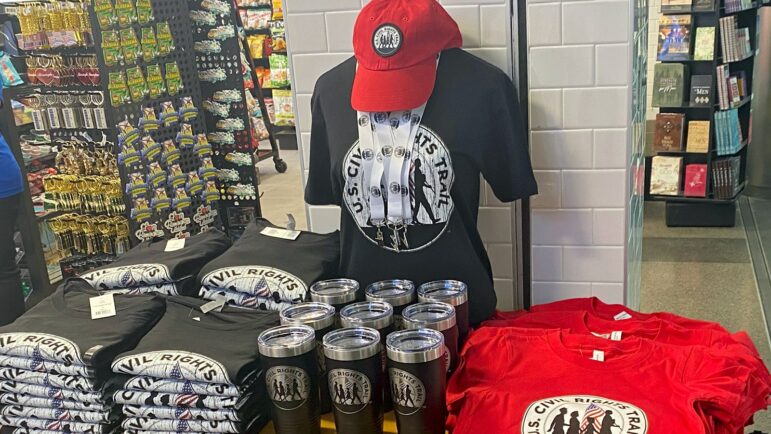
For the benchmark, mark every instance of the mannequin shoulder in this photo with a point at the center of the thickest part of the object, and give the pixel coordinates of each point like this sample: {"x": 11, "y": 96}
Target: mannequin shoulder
{"x": 337, "y": 80}
{"x": 458, "y": 64}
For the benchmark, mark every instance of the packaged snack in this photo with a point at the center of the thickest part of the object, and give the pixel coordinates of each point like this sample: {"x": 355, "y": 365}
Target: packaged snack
{"x": 271, "y": 110}
{"x": 278, "y": 36}
{"x": 278, "y": 10}
{"x": 260, "y": 129}
{"x": 256, "y": 45}
{"x": 282, "y": 100}
{"x": 263, "y": 75}
{"x": 279, "y": 71}
{"x": 8, "y": 74}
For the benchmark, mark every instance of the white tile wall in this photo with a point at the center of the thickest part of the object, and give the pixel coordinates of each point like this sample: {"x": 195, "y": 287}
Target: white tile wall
{"x": 579, "y": 76}
{"x": 322, "y": 38}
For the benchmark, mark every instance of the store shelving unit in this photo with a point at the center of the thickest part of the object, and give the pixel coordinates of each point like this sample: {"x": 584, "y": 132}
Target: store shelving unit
{"x": 710, "y": 210}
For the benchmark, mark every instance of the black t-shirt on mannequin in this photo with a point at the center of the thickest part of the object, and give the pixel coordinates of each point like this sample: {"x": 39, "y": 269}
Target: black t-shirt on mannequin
{"x": 472, "y": 125}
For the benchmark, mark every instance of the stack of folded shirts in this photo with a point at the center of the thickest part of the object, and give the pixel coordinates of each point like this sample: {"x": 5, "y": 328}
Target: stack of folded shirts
{"x": 585, "y": 366}
{"x": 55, "y": 360}
{"x": 196, "y": 371}
{"x": 163, "y": 266}
{"x": 271, "y": 268}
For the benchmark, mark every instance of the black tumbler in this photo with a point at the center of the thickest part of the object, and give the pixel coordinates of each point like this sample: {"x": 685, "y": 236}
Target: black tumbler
{"x": 355, "y": 379}
{"x": 397, "y": 293}
{"x": 321, "y": 318}
{"x": 292, "y": 378}
{"x": 418, "y": 380}
{"x": 336, "y": 292}
{"x": 440, "y": 317}
{"x": 377, "y": 315}
{"x": 451, "y": 292}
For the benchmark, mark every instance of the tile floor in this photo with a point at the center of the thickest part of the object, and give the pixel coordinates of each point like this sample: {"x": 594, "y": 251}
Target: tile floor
{"x": 703, "y": 273}
{"x": 282, "y": 193}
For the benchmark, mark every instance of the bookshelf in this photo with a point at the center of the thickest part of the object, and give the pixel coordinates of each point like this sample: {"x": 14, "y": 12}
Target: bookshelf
{"x": 723, "y": 187}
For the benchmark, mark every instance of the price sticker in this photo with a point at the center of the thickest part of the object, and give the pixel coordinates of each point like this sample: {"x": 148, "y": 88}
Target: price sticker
{"x": 102, "y": 306}
{"x": 622, "y": 316}
{"x": 281, "y": 233}
{"x": 598, "y": 355}
{"x": 175, "y": 244}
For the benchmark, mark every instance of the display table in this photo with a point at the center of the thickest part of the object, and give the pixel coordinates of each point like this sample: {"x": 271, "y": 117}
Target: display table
{"x": 328, "y": 425}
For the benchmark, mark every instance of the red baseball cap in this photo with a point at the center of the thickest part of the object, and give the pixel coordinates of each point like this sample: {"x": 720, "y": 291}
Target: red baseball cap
{"x": 396, "y": 43}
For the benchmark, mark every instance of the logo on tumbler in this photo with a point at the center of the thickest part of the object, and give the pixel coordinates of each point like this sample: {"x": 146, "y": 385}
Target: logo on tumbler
{"x": 288, "y": 386}
{"x": 584, "y": 414}
{"x": 407, "y": 392}
{"x": 350, "y": 390}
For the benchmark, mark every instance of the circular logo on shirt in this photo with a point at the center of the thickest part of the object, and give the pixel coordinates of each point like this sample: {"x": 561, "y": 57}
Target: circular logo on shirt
{"x": 407, "y": 392}
{"x": 364, "y": 121}
{"x": 288, "y": 386}
{"x": 584, "y": 414}
{"x": 427, "y": 180}
{"x": 350, "y": 390}
{"x": 387, "y": 40}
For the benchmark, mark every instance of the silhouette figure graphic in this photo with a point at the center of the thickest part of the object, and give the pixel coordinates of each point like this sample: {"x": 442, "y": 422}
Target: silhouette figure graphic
{"x": 590, "y": 426}
{"x": 356, "y": 396}
{"x": 558, "y": 423}
{"x": 420, "y": 195}
{"x": 337, "y": 392}
{"x": 275, "y": 389}
{"x": 408, "y": 396}
{"x": 296, "y": 389}
{"x": 281, "y": 391}
{"x": 607, "y": 422}
{"x": 574, "y": 426}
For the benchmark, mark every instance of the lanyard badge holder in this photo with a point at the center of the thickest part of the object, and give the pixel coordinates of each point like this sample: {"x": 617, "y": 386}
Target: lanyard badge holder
{"x": 387, "y": 144}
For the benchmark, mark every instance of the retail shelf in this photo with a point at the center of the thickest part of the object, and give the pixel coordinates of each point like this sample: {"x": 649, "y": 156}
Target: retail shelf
{"x": 705, "y": 154}
{"x": 16, "y": 91}
{"x": 684, "y": 199}
{"x": 41, "y": 159}
{"x": 741, "y": 104}
{"x": 690, "y": 11}
{"x": 751, "y": 8}
{"x": 743, "y": 145}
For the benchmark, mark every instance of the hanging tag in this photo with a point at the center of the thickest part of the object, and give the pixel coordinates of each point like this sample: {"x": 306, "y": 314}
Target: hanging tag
{"x": 281, "y": 233}
{"x": 53, "y": 118}
{"x": 622, "y": 316}
{"x": 598, "y": 355}
{"x": 88, "y": 118}
{"x": 615, "y": 336}
{"x": 100, "y": 118}
{"x": 217, "y": 305}
{"x": 175, "y": 244}
{"x": 102, "y": 306}
{"x": 38, "y": 120}
{"x": 68, "y": 114}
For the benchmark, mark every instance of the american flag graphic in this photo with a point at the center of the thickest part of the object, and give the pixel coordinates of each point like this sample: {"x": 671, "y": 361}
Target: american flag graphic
{"x": 262, "y": 287}
{"x": 595, "y": 412}
{"x": 182, "y": 413}
{"x": 55, "y": 393}
{"x": 183, "y": 426}
{"x": 54, "y": 425}
{"x": 62, "y": 414}
{"x": 57, "y": 403}
{"x": 38, "y": 363}
{"x": 250, "y": 301}
{"x": 176, "y": 372}
{"x": 188, "y": 397}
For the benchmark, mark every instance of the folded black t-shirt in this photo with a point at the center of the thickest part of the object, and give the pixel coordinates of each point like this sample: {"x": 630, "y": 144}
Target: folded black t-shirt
{"x": 72, "y": 382}
{"x": 150, "y": 263}
{"x": 187, "y": 345}
{"x": 271, "y": 268}
{"x": 59, "y": 331}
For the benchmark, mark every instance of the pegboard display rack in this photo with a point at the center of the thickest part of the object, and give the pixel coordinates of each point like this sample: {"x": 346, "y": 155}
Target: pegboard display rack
{"x": 170, "y": 222}
{"x": 237, "y": 208}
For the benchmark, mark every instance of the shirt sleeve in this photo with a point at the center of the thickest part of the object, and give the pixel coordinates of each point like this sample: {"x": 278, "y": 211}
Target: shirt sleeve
{"x": 505, "y": 160}
{"x": 318, "y": 188}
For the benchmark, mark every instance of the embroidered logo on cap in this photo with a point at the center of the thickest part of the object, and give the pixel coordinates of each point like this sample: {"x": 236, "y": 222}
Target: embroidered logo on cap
{"x": 387, "y": 40}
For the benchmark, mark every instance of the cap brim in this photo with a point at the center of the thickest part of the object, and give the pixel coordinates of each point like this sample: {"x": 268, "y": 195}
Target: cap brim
{"x": 394, "y": 90}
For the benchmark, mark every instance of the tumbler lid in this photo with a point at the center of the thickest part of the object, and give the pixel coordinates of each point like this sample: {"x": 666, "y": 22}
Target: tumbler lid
{"x": 353, "y": 343}
{"x": 287, "y": 341}
{"x": 394, "y": 292}
{"x": 446, "y": 291}
{"x": 430, "y": 315}
{"x": 415, "y": 346}
{"x": 315, "y": 315}
{"x": 375, "y": 314}
{"x": 335, "y": 291}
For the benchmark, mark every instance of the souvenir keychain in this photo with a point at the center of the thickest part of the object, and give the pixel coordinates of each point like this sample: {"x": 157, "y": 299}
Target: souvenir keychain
{"x": 136, "y": 83}
{"x": 149, "y": 121}
{"x": 218, "y": 7}
{"x": 129, "y": 46}
{"x": 155, "y": 84}
{"x": 111, "y": 49}
{"x": 136, "y": 185}
{"x": 185, "y": 137}
{"x": 141, "y": 210}
{"x": 128, "y": 134}
{"x": 228, "y": 175}
{"x": 86, "y": 113}
{"x": 170, "y": 153}
{"x": 214, "y": 75}
{"x": 169, "y": 115}
{"x": 207, "y": 170}
{"x": 100, "y": 118}
{"x": 239, "y": 158}
{"x": 230, "y": 124}
{"x": 217, "y": 109}
{"x": 156, "y": 177}
{"x": 129, "y": 156}
{"x": 119, "y": 92}
{"x": 187, "y": 110}
{"x": 202, "y": 147}
{"x": 52, "y": 111}
{"x": 181, "y": 199}
{"x": 145, "y": 12}
{"x": 173, "y": 78}
{"x": 194, "y": 183}
{"x": 207, "y": 47}
{"x": 165, "y": 39}
{"x": 161, "y": 200}
{"x": 210, "y": 193}
{"x": 149, "y": 44}
{"x": 203, "y": 18}
{"x": 125, "y": 12}
{"x": 105, "y": 14}
{"x": 68, "y": 112}
{"x": 150, "y": 150}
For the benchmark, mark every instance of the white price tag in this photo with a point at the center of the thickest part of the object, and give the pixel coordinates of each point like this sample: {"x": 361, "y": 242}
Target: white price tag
{"x": 175, "y": 244}
{"x": 102, "y": 306}
{"x": 281, "y": 233}
{"x": 622, "y": 316}
{"x": 615, "y": 336}
{"x": 598, "y": 355}
{"x": 214, "y": 305}
{"x": 601, "y": 335}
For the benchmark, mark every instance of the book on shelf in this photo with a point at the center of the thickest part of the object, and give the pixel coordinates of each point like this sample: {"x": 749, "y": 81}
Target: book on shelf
{"x": 701, "y": 91}
{"x": 665, "y": 175}
{"x": 695, "y": 183}
{"x": 669, "y": 6}
{"x": 674, "y": 37}
{"x": 737, "y": 5}
{"x": 726, "y": 177}
{"x": 669, "y": 132}
{"x": 698, "y": 136}
{"x": 703, "y": 5}
{"x": 735, "y": 42}
{"x": 704, "y": 48}
{"x": 732, "y": 88}
{"x": 728, "y": 132}
{"x": 669, "y": 84}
